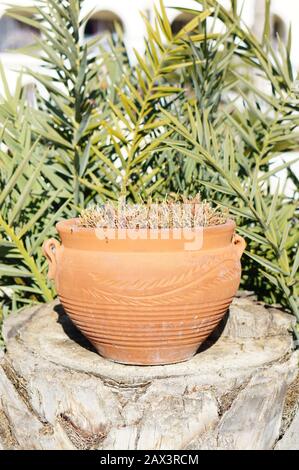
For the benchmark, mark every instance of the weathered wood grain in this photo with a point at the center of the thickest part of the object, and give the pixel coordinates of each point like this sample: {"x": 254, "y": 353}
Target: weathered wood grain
{"x": 57, "y": 393}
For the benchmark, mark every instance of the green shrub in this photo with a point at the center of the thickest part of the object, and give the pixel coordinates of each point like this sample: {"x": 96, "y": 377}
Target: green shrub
{"x": 186, "y": 117}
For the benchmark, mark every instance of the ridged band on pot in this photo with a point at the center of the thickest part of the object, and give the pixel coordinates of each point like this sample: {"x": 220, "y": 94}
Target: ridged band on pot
{"x": 146, "y": 297}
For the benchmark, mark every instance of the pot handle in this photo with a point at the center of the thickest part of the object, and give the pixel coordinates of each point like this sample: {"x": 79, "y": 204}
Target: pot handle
{"x": 239, "y": 244}
{"x": 50, "y": 248}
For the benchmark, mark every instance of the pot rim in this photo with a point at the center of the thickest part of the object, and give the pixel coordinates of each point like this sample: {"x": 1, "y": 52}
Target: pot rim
{"x": 71, "y": 226}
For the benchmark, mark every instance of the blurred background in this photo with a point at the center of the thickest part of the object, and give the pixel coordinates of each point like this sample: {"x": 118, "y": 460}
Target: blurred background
{"x": 126, "y": 13}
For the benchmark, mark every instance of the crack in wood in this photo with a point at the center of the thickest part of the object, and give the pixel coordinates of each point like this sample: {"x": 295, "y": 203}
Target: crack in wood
{"x": 19, "y": 384}
{"x": 226, "y": 400}
{"x": 6, "y": 434}
{"x": 291, "y": 406}
{"x": 79, "y": 438}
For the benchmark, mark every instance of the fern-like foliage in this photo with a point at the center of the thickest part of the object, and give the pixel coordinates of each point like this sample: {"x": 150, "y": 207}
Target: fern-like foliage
{"x": 138, "y": 128}
{"x": 204, "y": 110}
{"x": 234, "y": 158}
{"x": 73, "y": 96}
{"x": 31, "y": 201}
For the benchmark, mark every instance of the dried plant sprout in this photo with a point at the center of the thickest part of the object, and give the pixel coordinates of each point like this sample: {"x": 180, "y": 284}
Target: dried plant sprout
{"x": 176, "y": 212}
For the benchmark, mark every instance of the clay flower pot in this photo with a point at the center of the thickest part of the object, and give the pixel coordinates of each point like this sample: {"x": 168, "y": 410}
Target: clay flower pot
{"x": 149, "y": 300}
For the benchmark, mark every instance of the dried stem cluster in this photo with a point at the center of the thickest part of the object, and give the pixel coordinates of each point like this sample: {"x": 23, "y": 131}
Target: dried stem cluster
{"x": 170, "y": 213}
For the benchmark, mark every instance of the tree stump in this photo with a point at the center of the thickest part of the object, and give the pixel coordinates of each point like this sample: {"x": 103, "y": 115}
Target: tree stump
{"x": 56, "y": 392}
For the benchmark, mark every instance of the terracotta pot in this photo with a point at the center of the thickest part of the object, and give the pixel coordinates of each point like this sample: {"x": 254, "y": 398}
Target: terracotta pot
{"x": 149, "y": 301}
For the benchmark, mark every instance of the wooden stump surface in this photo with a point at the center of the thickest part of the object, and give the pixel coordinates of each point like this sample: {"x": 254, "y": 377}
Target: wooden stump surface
{"x": 56, "y": 392}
